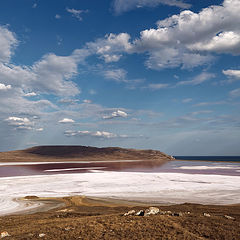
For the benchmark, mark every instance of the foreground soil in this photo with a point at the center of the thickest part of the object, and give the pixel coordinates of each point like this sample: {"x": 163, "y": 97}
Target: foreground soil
{"x": 87, "y": 218}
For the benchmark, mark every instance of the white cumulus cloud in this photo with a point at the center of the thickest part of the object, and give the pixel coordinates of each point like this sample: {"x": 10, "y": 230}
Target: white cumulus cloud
{"x": 187, "y": 39}
{"x": 17, "y": 121}
{"x": 116, "y": 114}
{"x": 52, "y": 73}
{"x": 8, "y": 42}
{"x": 49, "y": 75}
{"x": 30, "y": 94}
{"x": 118, "y": 75}
{"x": 232, "y": 73}
{"x": 5, "y": 87}
{"x": 223, "y": 42}
{"x": 20, "y": 123}
{"x": 111, "y": 47}
{"x": 66, "y": 120}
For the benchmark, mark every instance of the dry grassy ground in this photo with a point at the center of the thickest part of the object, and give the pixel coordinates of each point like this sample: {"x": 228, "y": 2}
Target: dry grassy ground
{"x": 84, "y": 218}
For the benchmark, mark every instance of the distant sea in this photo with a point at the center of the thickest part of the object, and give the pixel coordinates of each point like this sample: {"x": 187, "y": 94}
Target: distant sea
{"x": 210, "y": 158}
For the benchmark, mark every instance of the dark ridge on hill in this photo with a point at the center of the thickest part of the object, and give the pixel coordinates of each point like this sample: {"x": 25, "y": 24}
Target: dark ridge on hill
{"x": 75, "y": 153}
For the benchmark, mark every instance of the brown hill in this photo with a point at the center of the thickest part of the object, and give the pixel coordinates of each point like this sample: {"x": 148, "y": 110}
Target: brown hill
{"x": 78, "y": 153}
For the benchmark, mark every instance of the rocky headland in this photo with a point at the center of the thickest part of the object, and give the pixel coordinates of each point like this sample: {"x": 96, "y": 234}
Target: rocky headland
{"x": 80, "y": 153}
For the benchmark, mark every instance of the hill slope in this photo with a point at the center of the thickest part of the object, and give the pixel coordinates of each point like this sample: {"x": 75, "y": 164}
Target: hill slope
{"x": 78, "y": 153}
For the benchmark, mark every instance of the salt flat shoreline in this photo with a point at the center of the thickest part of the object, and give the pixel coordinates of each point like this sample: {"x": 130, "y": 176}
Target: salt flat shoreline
{"x": 166, "y": 188}
{"x": 44, "y": 204}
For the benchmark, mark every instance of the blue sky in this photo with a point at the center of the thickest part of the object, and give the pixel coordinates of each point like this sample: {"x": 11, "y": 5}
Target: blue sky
{"x": 159, "y": 74}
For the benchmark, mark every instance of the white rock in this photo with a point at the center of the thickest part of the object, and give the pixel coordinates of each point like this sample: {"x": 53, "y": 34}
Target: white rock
{"x": 206, "y": 215}
{"x": 42, "y": 235}
{"x": 229, "y": 217}
{"x": 131, "y": 212}
{"x": 151, "y": 211}
{"x": 4, "y": 234}
{"x": 140, "y": 213}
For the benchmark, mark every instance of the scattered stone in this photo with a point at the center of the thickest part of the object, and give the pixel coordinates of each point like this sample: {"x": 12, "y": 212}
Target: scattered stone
{"x": 65, "y": 210}
{"x": 4, "y": 234}
{"x": 154, "y": 211}
{"x": 42, "y": 235}
{"x": 68, "y": 228}
{"x": 165, "y": 212}
{"x": 177, "y": 214}
{"x": 229, "y": 217}
{"x": 131, "y": 212}
{"x": 206, "y": 215}
{"x": 151, "y": 211}
{"x": 140, "y": 213}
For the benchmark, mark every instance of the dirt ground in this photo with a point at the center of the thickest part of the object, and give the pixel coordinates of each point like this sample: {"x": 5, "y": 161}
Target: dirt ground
{"x": 89, "y": 219}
